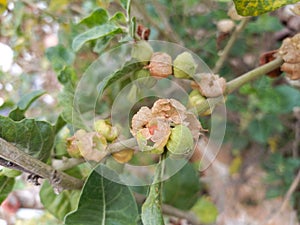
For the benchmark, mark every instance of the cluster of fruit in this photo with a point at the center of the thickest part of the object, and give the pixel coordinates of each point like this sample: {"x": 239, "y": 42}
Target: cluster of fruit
{"x": 167, "y": 124}
{"x": 93, "y": 145}
{"x": 159, "y": 65}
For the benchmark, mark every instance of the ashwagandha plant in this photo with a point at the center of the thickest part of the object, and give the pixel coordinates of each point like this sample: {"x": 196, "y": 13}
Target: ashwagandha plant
{"x": 130, "y": 123}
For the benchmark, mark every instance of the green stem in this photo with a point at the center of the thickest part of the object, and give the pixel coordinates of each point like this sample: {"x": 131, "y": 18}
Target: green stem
{"x": 253, "y": 74}
{"x": 152, "y": 208}
{"x": 169, "y": 37}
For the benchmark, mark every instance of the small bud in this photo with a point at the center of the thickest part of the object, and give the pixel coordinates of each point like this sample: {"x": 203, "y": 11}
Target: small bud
{"x": 123, "y": 156}
{"x": 104, "y": 128}
{"x": 196, "y": 99}
{"x": 142, "y": 51}
{"x": 160, "y": 65}
{"x": 180, "y": 141}
{"x": 184, "y": 65}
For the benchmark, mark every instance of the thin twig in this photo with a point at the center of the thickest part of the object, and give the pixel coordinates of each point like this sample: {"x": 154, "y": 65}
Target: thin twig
{"x": 229, "y": 44}
{"x": 287, "y": 197}
{"x": 296, "y": 142}
{"x": 152, "y": 22}
{"x": 168, "y": 31}
{"x": 59, "y": 180}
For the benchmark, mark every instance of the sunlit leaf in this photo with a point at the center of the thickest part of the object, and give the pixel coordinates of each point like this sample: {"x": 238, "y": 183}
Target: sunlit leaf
{"x": 96, "y": 18}
{"x": 34, "y": 137}
{"x": 118, "y": 17}
{"x": 104, "y": 202}
{"x": 60, "y": 56}
{"x": 101, "y": 44}
{"x": 128, "y": 67}
{"x": 257, "y": 7}
{"x": 126, "y": 5}
{"x": 95, "y": 33}
{"x": 70, "y": 113}
{"x": 17, "y": 114}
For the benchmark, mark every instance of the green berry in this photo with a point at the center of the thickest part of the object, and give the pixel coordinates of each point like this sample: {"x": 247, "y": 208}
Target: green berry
{"x": 104, "y": 128}
{"x": 184, "y": 65}
{"x": 142, "y": 51}
{"x": 196, "y": 99}
{"x": 180, "y": 141}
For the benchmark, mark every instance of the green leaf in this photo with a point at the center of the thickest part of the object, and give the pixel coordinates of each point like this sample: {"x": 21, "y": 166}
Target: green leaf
{"x": 60, "y": 56}
{"x": 151, "y": 209}
{"x": 67, "y": 76}
{"x": 17, "y": 114}
{"x": 96, "y": 18}
{"x": 59, "y": 124}
{"x": 257, "y": 7}
{"x": 126, "y": 5}
{"x": 6, "y": 186}
{"x": 187, "y": 188}
{"x": 118, "y": 18}
{"x": 129, "y": 67}
{"x": 205, "y": 210}
{"x": 34, "y": 137}
{"x": 12, "y": 173}
{"x": 95, "y": 33}
{"x": 104, "y": 202}
{"x": 101, "y": 44}
{"x": 132, "y": 27}
{"x": 58, "y": 205}
{"x": 70, "y": 113}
